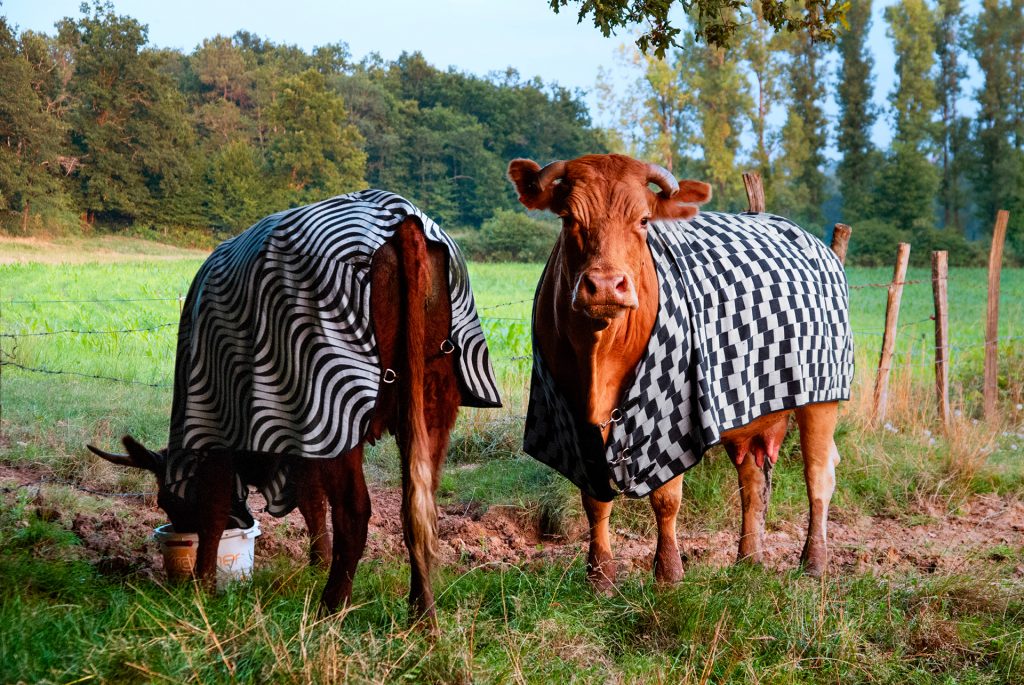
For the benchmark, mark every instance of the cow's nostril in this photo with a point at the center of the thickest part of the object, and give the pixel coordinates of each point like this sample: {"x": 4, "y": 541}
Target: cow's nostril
{"x": 590, "y": 285}
{"x": 623, "y": 285}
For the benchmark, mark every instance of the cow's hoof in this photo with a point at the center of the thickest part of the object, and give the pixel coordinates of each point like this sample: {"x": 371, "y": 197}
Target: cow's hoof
{"x": 814, "y": 560}
{"x": 602, "y": 579}
{"x": 754, "y": 559}
{"x": 668, "y": 569}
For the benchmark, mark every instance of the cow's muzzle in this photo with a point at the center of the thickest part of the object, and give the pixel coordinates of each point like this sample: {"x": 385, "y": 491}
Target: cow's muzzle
{"x": 604, "y": 294}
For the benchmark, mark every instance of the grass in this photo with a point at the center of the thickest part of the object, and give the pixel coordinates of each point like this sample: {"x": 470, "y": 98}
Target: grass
{"x": 61, "y": 620}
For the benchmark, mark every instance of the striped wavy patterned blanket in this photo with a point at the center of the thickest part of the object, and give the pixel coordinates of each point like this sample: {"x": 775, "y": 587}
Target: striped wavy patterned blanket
{"x": 276, "y": 353}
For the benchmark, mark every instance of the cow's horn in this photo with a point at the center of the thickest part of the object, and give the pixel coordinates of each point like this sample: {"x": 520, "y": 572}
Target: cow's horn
{"x": 119, "y": 459}
{"x": 549, "y": 173}
{"x": 663, "y": 178}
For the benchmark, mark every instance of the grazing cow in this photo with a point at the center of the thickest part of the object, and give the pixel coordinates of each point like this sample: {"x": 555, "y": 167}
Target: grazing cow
{"x": 308, "y": 478}
{"x": 656, "y": 338}
{"x": 309, "y": 334}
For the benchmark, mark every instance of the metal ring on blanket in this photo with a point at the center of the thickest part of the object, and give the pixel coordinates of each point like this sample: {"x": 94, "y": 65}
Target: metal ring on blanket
{"x": 447, "y": 346}
{"x": 614, "y": 418}
{"x": 389, "y": 376}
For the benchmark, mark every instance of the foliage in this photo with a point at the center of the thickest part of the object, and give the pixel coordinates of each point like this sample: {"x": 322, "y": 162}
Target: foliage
{"x": 997, "y": 171}
{"x": 512, "y": 236}
{"x": 873, "y": 243}
{"x": 799, "y": 182}
{"x": 909, "y": 181}
{"x": 859, "y": 161}
{"x": 717, "y": 21}
{"x": 96, "y": 122}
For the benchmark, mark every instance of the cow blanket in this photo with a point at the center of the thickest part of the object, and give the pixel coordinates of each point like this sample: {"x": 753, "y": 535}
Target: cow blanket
{"x": 753, "y": 318}
{"x": 276, "y": 353}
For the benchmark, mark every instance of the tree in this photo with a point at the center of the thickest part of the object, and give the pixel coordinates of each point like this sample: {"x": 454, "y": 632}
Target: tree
{"x": 128, "y": 121}
{"x": 799, "y": 188}
{"x": 953, "y": 129}
{"x": 997, "y": 173}
{"x": 761, "y": 52}
{"x": 716, "y": 22}
{"x": 316, "y": 151}
{"x": 651, "y": 116}
{"x": 859, "y": 158}
{"x": 909, "y": 181}
{"x": 721, "y": 106}
{"x": 30, "y": 136}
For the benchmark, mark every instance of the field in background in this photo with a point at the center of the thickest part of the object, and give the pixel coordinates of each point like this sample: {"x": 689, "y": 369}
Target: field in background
{"x": 537, "y": 622}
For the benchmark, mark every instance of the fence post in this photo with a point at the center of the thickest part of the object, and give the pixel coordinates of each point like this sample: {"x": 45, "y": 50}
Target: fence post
{"x": 940, "y": 272}
{"x": 995, "y": 265}
{"x": 841, "y": 241}
{"x": 892, "y": 317}
{"x": 755, "y": 191}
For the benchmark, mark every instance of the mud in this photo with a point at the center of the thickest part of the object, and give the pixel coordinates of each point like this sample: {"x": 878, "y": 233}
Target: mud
{"x": 115, "y": 533}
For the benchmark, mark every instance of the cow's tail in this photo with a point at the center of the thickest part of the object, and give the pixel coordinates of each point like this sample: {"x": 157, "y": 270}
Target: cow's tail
{"x": 419, "y": 514}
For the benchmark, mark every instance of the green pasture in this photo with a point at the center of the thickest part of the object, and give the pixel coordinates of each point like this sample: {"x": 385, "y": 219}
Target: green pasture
{"x": 117, "y": 320}
{"x": 61, "y": 620}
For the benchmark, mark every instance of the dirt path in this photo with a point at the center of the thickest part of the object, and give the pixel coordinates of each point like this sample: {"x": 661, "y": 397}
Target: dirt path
{"x": 115, "y": 533}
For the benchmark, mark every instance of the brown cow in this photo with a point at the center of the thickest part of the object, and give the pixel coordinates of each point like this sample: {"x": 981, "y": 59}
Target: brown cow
{"x": 411, "y": 316}
{"x": 594, "y": 313}
{"x": 309, "y": 477}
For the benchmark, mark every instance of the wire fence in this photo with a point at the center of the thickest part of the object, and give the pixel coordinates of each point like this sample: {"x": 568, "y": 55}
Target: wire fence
{"x": 8, "y": 357}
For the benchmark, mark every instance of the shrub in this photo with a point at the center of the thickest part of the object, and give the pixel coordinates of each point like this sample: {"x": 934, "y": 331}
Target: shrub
{"x": 511, "y": 236}
{"x": 873, "y": 243}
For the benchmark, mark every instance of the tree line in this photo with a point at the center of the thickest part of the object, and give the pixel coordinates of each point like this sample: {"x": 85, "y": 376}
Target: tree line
{"x": 99, "y": 128}
{"x": 939, "y": 182}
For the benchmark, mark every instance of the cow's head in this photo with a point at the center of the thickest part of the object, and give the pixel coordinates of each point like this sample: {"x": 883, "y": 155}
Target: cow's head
{"x": 605, "y": 205}
{"x": 185, "y": 519}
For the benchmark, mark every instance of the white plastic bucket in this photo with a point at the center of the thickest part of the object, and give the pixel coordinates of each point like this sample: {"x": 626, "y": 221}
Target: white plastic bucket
{"x": 234, "y": 554}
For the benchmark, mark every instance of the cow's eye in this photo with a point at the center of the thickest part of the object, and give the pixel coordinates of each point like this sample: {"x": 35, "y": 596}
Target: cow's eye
{"x": 644, "y": 221}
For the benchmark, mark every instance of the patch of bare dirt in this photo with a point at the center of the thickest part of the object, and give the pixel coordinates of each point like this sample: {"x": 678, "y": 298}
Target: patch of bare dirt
{"x": 116, "y": 536}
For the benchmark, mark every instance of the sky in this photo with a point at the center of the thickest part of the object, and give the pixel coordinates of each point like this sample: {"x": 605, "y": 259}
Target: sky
{"x": 475, "y": 36}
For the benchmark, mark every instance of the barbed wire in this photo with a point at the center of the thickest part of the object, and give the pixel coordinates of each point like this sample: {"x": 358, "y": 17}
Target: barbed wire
{"x": 886, "y": 285}
{"x": 96, "y": 301}
{"x": 92, "y": 376}
{"x": 503, "y": 304}
{"x": 88, "y": 332}
{"x": 78, "y": 486}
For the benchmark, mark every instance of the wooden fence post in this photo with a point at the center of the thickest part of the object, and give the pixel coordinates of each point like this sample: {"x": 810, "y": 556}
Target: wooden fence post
{"x": 940, "y": 271}
{"x": 755, "y": 191}
{"x": 841, "y": 241}
{"x": 995, "y": 265}
{"x": 892, "y": 317}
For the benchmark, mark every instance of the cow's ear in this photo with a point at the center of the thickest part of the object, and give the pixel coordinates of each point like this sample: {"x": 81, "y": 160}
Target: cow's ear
{"x": 525, "y": 174}
{"x": 683, "y": 204}
{"x": 142, "y": 456}
{"x": 693, "y": 192}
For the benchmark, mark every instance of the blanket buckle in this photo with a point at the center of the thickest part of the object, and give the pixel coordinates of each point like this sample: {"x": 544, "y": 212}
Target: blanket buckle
{"x": 447, "y": 346}
{"x": 389, "y": 376}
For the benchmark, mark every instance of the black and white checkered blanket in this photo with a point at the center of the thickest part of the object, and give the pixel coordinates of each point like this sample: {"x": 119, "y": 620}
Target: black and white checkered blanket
{"x": 753, "y": 318}
{"x": 276, "y": 353}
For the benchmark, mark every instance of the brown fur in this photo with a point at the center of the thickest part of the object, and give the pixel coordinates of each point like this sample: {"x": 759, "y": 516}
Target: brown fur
{"x": 411, "y": 311}
{"x": 594, "y": 313}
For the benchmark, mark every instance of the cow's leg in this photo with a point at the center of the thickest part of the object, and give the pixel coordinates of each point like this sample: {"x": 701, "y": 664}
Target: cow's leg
{"x": 755, "y": 493}
{"x": 350, "y": 514}
{"x": 668, "y": 568}
{"x": 817, "y": 429}
{"x": 312, "y": 499}
{"x": 600, "y": 565}
{"x": 214, "y": 479}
